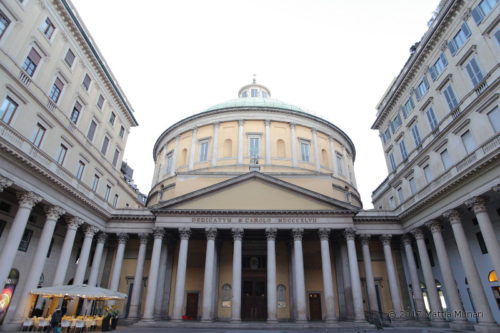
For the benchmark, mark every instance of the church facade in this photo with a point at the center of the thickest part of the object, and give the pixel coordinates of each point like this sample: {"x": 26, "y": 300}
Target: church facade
{"x": 254, "y": 212}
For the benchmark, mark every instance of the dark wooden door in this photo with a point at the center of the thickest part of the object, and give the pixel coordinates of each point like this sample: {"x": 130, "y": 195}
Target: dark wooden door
{"x": 254, "y": 299}
{"x": 192, "y": 305}
{"x": 315, "y": 306}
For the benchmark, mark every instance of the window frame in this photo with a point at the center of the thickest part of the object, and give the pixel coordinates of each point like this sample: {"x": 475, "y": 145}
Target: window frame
{"x": 305, "y": 151}
{"x": 80, "y": 169}
{"x": 203, "y": 150}
{"x": 32, "y": 61}
{"x": 61, "y": 154}
{"x": 6, "y": 22}
{"x": 257, "y": 139}
{"x": 56, "y": 91}
{"x": 416, "y": 135}
{"x": 105, "y": 144}
{"x": 8, "y": 111}
{"x": 447, "y": 163}
{"x": 474, "y": 71}
{"x": 116, "y": 156}
{"x": 95, "y": 182}
{"x": 431, "y": 119}
{"x": 93, "y": 130}
{"x": 450, "y": 97}
{"x": 100, "y": 102}
{"x": 112, "y": 118}
{"x": 45, "y": 28}
{"x": 75, "y": 113}
{"x": 456, "y": 43}
{"x": 67, "y": 59}
{"x": 438, "y": 67}
{"x": 37, "y": 138}
{"x": 86, "y": 83}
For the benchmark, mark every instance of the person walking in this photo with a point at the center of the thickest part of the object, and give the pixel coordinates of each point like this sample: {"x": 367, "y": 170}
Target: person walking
{"x": 55, "y": 322}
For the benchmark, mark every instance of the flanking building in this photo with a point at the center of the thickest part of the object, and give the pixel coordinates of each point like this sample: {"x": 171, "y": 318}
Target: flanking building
{"x": 254, "y": 213}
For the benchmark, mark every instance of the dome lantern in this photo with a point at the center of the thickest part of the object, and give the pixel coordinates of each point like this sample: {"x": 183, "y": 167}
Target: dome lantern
{"x": 254, "y": 90}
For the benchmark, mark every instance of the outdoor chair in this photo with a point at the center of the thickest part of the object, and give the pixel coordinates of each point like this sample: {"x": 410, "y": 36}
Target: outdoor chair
{"x": 43, "y": 324}
{"x": 27, "y": 324}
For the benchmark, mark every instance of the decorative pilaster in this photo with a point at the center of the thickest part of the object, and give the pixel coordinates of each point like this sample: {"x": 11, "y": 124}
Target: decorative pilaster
{"x": 208, "y": 292}
{"x": 271, "y": 275}
{"x": 158, "y": 234}
{"x": 324, "y": 236}
{"x": 370, "y": 281}
{"x": 215, "y": 144}
{"x": 267, "y": 123}
{"x": 293, "y": 144}
{"x": 184, "y": 234}
{"x": 193, "y": 149}
{"x": 236, "y": 300}
{"x": 240, "y": 141}
{"x": 317, "y": 159}
{"x": 359, "y": 314}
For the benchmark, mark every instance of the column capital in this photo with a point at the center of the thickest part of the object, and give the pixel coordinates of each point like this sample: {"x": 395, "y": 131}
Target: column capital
{"x": 478, "y": 204}
{"x": 74, "y": 222}
{"x": 406, "y": 239}
{"x": 365, "y": 239}
{"x": 90, "y": 231}
{"x": 417, "y": 233}
{"x": 184, "y": 233}
{"x": 386, "y": 239}
{"x": 297, "y": 234}
{"x": 122, "y": 238}
{"x": 28, "y": 199}
{"x": 271, "y": 233}
{"x": 496, "y": 188}
{"x": 158, "y": 233}
{"x": 324, "y": 233}
{"x": 54, "y": 212}
{"x": 237, "y": 233}
{"x": 267, "y": 122}
{"x": 211, "y": 233}
{"x": 314, "y": 131}
{"x": 241, "y": 122}
{"x": 452, "y": 215}
{"x": 102, "y": 237}
{"x": 143, "y": 238}
{"x": 4, "y": 183}
{"x": 434, "y": 226}
{"x": 349, "y": 233}
{"x": 292, "y": 125}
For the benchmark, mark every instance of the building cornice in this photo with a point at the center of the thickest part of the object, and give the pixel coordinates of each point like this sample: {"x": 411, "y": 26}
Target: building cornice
{"x": 176, "y": 212}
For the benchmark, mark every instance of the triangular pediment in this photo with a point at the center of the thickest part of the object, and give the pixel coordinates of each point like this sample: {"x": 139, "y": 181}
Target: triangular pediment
{"x": 254, "y": 191}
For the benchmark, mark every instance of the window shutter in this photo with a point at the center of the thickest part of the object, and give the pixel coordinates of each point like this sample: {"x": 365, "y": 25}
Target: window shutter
{"x": 426, "y": 83}
{"x": 466, "y": 30}
{"x": 452, "y": 46}
{"x": 34, "y": 56}
{"x": 59, "y": 84}
{"x": 78, "y": 106}
{"x": 477, "y": 15}
{"x": 477, "y": 71}
{"x": 433, "y": 73}
{"x": 443, "y": 59}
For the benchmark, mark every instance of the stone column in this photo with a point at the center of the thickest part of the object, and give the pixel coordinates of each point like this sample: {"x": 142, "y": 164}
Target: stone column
{"x": 370, "y": 281}
{"x": 135, "y": 298}
{"x": 96, "y": 262}
{"x": 192, "y": 155}
{"x": 326, "y": 265}
{"x": 208, "y": 291}
{"x": 430, "y": 282}
{"x": 299, "y": 279}
{"x": 317, "y": 158}
{"x": 418, "y": 298}
{"x": 332, "y": 153}
{"x": 478, "y": 205}
{"x": 158, "y": 234}
{"x": 83, "y": 261}
{"x": 486, "y": 321}
{"x": 240, "y": 141}
{"x": 293, "y": 145}
{"x": 4, "y": 183}
{"x": 348, "y": 305}
{"x": 271, "y": 275}
{"x": 62, "y": 265}
{"x": 236, "y": 299}
{"x": 53, "y": 213}
{"x": 359, "y": 314}
{"x": 27, "y": 200}
{"x": 268, "y": 141}
{"x": 449, "y": 281}
{"x": 391, "y": 275}
{"x": 215, "y": 144}
{"x": 180, "y": 283}
{"x": 174, "y": 156}
{"x": 117, "y": 268}
{"x": 162, "y": 279}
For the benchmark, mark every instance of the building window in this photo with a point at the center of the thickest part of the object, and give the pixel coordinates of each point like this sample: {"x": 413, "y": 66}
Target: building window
{"x": 47, "y": 28}
{"x": 86, "y": 82}
{"x": 56, "y": 89}
{"x": 427, "y": 173}
{"x": 122, "y": 131}
{"x": 75, "y": 114}
{"x": 79, "y": 170}
{"x": 395, "y": 123}
{"x": 254, "y": 146}
{"x": 401, "y": 195}
{"x": 305, "y": 148}
{"x": 402, "y": 149}
{"x": 445, "y": 158}
{"x": 340, "y": 163}
{"x": 106, "y": 194}
{"x": 474, "y": 72}
{"x": 25, "y": 241}
{"x": 115, "y": 200}
{"x": 95, "y": 182}
{"x": 481, "y": 243}
{"x": 422, "y": 88}
{"x": 413, "y": 185}
{"x": 203, "y": 150}
{"x": 170, "y": 160}
{"x": 468, "y": 142}
{"x": 459, "y": 39}
{"x": 105, "y": 144}
{"x": 392, "y": 161}
{"x": 493, "y": 116}
{"x": 31, "y": 62}
{"x": 482, "y": 10}
{"x": 69, "y": 58}
{"x": 112, "y": 118}
{"x": 407, "y": 109}
{"x": 450, "y": 97}
{"x": 492, "y": 277}
{"x": 91, "y": 132}
{"x": 431, "y": 117}
{"x": 61, "y": 154}
{"x": 254, "y": 92}
{"x": 38, "y": 135}
{"x": 4, "y": 23}
{"x": 386, "y": 136}
{"x": 116, "y": 155}
{"x": 100, "y": 102}
{"x": 392, "y": 203}
{"x": 438, "y": 67}
{"x": 416, "y": 135}
{"x": 8, "y": 109}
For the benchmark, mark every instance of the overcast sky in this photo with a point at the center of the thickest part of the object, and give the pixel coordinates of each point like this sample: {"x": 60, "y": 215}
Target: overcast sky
{"x": 333, "y": 58}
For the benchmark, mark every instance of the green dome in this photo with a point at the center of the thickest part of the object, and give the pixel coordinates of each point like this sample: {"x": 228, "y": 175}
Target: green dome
{"x": 254, "y": 102}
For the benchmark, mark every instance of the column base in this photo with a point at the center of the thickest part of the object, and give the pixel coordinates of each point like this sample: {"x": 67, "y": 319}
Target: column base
{"x": 176, "y": 320}
{"x": 12, "y": 326}
{"x": 487, "y": 328}
{"x": 206, "y": 320}
{"x": 331, "y": 320}
{"x": 148, "y": 320}
{"x": 440, "y": 323}
{"x": 272, "y": 321}
{"x": 461, "y": 325}
{"x": 235, "y": 321}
